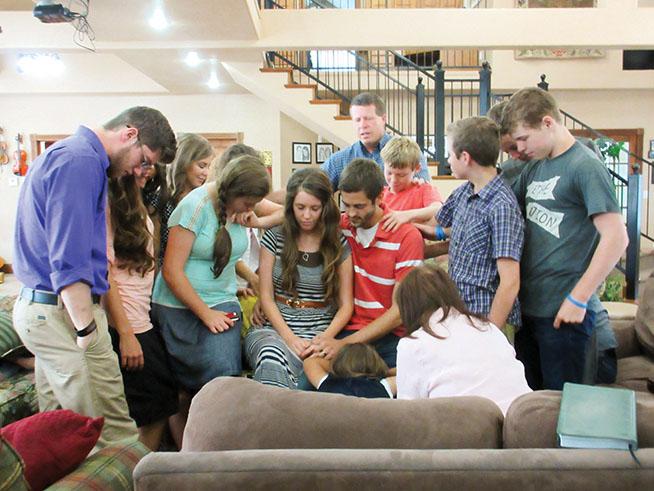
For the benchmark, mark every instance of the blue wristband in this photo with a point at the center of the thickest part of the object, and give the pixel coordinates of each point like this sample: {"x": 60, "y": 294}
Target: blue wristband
{"x": 576, "y": 302}
{"x": 440, "y": 233}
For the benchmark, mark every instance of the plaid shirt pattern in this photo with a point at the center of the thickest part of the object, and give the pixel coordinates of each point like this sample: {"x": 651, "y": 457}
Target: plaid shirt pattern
{"x": 486, "y": 226}
{"x": 335, "y": 164}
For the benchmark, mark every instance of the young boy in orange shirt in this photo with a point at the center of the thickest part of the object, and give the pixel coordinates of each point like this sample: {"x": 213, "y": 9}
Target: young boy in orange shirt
{"x": 409, "y": 201}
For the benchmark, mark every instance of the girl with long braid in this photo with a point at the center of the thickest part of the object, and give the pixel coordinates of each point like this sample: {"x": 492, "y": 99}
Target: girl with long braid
{"x": 194, "y": 299}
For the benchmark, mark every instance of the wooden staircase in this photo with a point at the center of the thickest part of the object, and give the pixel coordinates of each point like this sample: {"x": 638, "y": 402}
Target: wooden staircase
{"x": 315, "y": 100}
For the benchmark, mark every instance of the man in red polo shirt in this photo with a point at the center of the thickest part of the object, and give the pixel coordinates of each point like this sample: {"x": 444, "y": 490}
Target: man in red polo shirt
{"x": 381, "y": 259}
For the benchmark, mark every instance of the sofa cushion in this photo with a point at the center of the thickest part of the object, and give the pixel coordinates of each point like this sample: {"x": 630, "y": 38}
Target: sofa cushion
{"x": 645, "y": 318}
{"x": 238, "y": 414}
{"x": 634, "y": 371}
{"x": 110, "y": 468}
{"x": 531, "y": 420}
{"x": 11, "y": 468}
{"x": 18, "y": 398}
{"x": 625, "y": 335}
{"x": 9, "y": 340}
{"x": 52, "y": 444}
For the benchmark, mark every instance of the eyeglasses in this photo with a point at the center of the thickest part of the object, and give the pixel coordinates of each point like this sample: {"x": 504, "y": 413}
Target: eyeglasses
{"x": 146, "y": 164}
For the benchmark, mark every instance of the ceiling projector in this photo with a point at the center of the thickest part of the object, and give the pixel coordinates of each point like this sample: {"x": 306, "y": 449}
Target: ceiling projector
{"x": 49, "y": 12}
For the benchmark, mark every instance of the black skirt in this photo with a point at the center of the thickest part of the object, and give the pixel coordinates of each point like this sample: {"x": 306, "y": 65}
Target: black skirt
{"x": 152, "y": 392}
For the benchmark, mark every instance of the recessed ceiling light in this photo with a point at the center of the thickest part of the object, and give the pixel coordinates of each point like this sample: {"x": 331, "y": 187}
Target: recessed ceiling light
{"x": 158, "y": 20}
{"x": 40, "y": 64}
{"x": 213, "y": 82}
{"x": 193, "y": 59}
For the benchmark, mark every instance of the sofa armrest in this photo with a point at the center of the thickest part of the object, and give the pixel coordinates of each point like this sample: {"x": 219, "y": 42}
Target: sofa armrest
{"x": 109, "y": 468}
{"x": 540, "y": 410}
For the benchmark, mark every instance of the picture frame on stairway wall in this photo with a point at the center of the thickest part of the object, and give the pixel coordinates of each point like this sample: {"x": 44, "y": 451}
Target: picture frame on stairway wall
{"x": 555, "y": 53}
{"x": 323, "y": 152}
{"x": 301, "y": 153}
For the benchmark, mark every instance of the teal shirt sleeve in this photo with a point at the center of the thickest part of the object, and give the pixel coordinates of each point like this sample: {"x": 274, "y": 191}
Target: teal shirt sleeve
{"x": 190, "y": 213}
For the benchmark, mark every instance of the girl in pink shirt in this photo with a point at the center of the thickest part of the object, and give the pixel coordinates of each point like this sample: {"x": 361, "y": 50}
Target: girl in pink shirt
{"x": 150, "y": 387}
{"x": 447, "y": 350}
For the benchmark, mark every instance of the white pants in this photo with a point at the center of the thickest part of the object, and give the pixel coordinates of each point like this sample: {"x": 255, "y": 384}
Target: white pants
{"x": 86, "y": 382}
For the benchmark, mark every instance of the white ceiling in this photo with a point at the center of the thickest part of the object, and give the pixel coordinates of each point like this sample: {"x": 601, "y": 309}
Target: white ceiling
{"x": 125, "y": 42}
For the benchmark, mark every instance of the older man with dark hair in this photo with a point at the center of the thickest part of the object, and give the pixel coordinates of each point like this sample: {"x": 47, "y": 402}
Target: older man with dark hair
{"x": 368, "y": 113}
{"x": 60, "y": 258}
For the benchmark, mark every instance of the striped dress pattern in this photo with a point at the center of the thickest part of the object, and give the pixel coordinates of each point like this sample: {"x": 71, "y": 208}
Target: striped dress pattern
{"x": 273, "y": 362}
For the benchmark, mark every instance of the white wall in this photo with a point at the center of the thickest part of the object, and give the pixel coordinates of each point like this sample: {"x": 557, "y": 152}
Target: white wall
{"x": 55, "y": 114}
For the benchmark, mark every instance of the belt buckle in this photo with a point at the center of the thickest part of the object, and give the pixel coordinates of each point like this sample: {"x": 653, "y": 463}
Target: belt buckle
{"x": 293, "y": 302}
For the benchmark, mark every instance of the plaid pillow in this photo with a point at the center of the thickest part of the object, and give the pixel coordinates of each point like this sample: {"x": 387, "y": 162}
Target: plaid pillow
{"x": 11, "y": 468}
{"x": 110, "y": 468}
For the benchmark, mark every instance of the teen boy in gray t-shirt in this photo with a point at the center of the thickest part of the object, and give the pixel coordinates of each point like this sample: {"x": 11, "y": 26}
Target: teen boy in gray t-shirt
{"x": 574, "y": 237}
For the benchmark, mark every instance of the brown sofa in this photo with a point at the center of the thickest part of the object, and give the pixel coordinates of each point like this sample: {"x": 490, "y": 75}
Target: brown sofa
{"x": 243, "y": 435}
{"x": 635, "y": 336}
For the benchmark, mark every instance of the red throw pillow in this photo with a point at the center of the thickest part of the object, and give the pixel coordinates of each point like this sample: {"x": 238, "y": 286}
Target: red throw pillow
{"x": 52, "y": 444}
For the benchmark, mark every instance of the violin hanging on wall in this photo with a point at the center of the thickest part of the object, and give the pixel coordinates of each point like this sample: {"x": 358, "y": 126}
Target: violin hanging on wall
{"x": 20, "y": 158}
{"x": 4, "y": 156}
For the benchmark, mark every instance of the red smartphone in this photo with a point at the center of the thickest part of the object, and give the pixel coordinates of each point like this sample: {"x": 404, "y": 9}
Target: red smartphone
{"x": 233, "y": 316}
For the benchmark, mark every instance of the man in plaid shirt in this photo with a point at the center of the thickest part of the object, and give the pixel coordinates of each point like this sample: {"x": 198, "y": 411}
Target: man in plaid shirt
{"x": 487, "y": 228}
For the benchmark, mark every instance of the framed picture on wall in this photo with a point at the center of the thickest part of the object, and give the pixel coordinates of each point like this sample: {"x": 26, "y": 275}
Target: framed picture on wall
{"x": 323, "y": 151}
{"x": 301, "y": 153}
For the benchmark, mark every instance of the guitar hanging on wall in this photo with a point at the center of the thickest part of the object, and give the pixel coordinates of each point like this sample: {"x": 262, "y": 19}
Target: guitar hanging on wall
{"x": 4, "y": 156}
{"x": 20, "y": 158}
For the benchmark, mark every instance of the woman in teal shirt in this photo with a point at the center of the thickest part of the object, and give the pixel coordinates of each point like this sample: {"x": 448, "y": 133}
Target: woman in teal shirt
{"x": 195, "y": 292}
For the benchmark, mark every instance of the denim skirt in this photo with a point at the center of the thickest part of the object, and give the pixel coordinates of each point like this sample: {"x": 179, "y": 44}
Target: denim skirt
{"x": 196, "y": 354}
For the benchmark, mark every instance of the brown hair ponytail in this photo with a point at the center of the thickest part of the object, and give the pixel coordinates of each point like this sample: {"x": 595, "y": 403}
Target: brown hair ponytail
{"x": 245, "y": 176}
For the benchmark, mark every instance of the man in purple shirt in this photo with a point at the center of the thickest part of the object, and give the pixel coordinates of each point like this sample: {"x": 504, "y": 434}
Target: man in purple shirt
{"x": 60, "y": 258}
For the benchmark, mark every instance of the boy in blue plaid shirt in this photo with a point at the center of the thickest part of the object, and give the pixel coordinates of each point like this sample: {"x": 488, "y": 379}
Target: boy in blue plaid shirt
{"x": 486, "y": 226}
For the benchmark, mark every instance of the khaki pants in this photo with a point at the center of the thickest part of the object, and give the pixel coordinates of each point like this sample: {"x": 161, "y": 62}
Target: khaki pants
{"x": 87, "y": 382}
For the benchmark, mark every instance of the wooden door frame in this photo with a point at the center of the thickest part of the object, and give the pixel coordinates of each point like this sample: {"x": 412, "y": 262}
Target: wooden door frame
{"x": 635, "y": 135}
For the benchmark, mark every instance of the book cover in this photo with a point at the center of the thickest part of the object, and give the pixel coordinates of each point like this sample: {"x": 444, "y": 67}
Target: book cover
{"x": 597, "y": 417}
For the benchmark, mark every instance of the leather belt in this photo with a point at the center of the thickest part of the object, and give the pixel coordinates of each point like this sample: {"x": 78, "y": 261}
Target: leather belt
{"x": 47, "y": 298}
{"x": 300, "y": 304}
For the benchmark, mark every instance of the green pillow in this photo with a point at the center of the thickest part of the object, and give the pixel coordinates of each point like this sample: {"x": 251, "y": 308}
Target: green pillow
{"x": 9, "y": 340}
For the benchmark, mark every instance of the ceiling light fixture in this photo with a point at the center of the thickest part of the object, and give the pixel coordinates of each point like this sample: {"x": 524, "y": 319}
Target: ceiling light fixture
{"x": 213, "y": 82}
{"x": 40, "y": 64}
{"x": 158, "y": 20}
{"x": 192, "y": 59}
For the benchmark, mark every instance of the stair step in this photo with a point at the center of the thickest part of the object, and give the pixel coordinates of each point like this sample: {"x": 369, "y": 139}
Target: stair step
{"x": 275, "y": 70}
{"x": 342, "y": 117}
{"x": 325, "y": 101}
{"x": 301, "y": 86}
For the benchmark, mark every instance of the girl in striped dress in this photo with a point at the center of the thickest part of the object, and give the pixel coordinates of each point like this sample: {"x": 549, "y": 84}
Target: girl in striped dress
{"x": 305, "y": 281}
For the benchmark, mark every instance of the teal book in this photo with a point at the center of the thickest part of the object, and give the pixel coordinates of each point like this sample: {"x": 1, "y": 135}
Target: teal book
{"x": 597, "y": 417}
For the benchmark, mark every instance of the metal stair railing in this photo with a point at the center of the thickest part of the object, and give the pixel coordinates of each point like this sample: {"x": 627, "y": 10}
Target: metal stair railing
{"x": 420, "y": 99}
